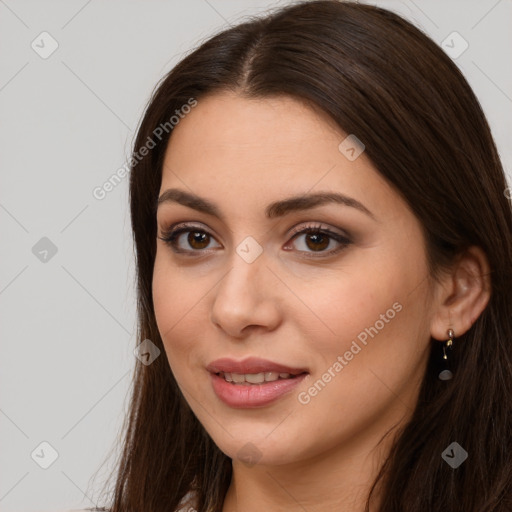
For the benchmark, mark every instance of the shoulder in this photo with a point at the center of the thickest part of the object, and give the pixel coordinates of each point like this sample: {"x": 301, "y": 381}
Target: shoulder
{"x": 188, "y": 503}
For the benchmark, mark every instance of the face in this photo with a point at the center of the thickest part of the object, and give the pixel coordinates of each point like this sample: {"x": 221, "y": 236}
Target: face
{"x": 345, "y": 305}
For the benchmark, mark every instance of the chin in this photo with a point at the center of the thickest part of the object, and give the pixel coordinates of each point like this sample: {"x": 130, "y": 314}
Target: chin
{"x": 251, "y": 450}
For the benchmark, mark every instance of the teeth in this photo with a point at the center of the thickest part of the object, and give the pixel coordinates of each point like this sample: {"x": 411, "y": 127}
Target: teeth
{"x": 237, "y": 378}
{"x": 253, "y": 378}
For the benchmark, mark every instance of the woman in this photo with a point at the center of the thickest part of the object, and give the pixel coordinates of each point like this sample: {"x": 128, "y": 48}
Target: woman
{"x": 323, "y": 244}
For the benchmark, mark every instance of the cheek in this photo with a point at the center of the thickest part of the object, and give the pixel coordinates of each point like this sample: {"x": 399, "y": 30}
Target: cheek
{"x": 346, "y": 303}
{"x": 176, "y": 308}
{"x": 372, "y": 315}
{"x": 371, "y": 362}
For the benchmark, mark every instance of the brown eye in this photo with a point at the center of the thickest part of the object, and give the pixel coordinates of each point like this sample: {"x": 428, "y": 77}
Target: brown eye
{"x": 195, "y": 241}
{"x": 198, "y": 239}
{"x": 313, "y": 241}
{"x": 317, "y": 241}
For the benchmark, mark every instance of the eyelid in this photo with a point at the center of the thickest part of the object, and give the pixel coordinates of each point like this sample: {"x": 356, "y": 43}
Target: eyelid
{"x": 178, "y": 225}
{"x": 318, "y": 226}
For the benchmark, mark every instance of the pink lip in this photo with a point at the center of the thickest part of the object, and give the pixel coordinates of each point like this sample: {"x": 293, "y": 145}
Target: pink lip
{"x": 242, "y": 396}
{"x": 250, "y": 365}
{"x": 253, "y": 395}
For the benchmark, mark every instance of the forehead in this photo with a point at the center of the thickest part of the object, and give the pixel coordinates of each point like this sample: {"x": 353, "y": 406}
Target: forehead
{"x": 226, "y": 120}
{"x": 243, "y": 151}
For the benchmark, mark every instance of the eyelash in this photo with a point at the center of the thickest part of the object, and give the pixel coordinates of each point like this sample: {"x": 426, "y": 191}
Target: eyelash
{"x": 170, "y": 237}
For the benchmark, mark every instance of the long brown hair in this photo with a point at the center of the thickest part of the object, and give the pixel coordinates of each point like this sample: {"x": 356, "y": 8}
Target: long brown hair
{"x": 383, "y": 79}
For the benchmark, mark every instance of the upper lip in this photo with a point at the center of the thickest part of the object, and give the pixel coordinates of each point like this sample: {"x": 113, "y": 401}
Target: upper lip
{"x": 250, "y": 365}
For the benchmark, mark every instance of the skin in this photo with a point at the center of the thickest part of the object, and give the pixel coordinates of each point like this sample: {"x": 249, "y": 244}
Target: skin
{"x": 243, "y": 154}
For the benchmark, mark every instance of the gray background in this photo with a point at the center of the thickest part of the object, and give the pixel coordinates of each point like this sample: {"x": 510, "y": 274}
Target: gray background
{"x": 67, "y": 122}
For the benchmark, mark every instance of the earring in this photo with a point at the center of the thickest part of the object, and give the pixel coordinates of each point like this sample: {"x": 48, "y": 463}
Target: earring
{"x": 445, "y": 373}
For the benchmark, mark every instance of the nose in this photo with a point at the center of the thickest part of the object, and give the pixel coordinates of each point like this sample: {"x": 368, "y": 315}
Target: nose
{"x": 246, "y": 298}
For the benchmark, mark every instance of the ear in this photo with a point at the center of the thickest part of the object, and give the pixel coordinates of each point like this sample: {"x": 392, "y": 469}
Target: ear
{"x": 462, "y": 295}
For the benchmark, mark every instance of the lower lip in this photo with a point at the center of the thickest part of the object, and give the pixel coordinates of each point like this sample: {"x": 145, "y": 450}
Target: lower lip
{"x": 254, "y": 395}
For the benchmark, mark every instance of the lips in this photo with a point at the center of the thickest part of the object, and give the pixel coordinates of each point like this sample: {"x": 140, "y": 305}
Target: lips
{"x": 253, "y": 382}
{"x": 251, "y": 365}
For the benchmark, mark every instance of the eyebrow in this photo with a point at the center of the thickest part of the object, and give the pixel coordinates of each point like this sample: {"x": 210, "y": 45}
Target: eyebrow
{"x": 273, "y": 210}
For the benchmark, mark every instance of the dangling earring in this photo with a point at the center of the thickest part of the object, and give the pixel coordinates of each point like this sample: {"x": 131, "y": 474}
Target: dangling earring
{"x": 445, "y": 373}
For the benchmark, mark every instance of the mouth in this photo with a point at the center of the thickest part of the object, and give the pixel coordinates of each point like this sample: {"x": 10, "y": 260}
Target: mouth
{"x": 250, "y": 379}
{"x": 253, "y": 382}
{"x": 252, "y": 370}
